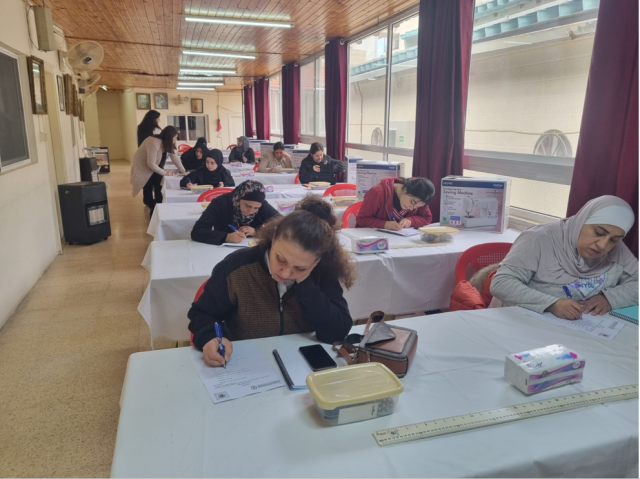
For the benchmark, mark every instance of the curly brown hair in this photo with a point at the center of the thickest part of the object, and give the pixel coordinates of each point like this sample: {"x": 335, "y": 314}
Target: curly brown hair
{"x": 312, "y": 226}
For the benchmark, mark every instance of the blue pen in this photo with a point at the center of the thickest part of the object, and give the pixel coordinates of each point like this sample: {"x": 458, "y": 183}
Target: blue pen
{"x": 233, "y": 228}
{"x": 220, "y": 346}
{"x": 568, "y": 293}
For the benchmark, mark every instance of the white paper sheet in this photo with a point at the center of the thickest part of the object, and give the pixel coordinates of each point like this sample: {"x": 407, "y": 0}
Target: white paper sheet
{"x": 402, "y": 232}
{"x": 243, "y": 244}
{"x": 606, "y": 326}
{"x": 247, "y": 372}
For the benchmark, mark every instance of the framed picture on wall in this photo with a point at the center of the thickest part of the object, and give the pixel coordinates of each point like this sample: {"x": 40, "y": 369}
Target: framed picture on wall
{"x": 36, "y": 82}
{"x": 81, "y": 110}
{"x": 161, "y": 100}
{"x": 74, "y": 101}
{"x": 61, "y": 97}
{"x": 143, "y": 101}
{"x": 197, "y": 105}
{"x": 68, "y": 94}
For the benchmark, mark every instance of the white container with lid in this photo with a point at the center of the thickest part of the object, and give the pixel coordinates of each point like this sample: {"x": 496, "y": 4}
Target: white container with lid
{"x": 354, "y": 393}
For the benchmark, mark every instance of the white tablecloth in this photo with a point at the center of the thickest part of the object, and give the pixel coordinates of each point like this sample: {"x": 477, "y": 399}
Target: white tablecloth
{"x": 174, "y": 221}
{"x": 267, "y": 178}
{"x": 170, "y": 427}
{"x": 398, "y": 281}
{"x": 279, "y": 191}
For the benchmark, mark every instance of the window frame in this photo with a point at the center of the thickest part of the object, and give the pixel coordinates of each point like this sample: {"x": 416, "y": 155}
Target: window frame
{"x": 315, "y": 137}
{"x": 186, "y": 122}
{"x": 279, "y": 106}
{"x": 25, "y": 89}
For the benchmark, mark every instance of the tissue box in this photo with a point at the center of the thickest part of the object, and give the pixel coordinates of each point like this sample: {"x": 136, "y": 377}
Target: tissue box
{"x": 286, "y": 206}
{"x": 369, "y": 244}
{"x": 544, "y": 368}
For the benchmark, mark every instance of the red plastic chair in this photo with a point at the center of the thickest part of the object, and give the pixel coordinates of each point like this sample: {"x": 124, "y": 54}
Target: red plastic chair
{"x": 214, "y": 193}
{"x": 341, "y": 189}
{"x": 198, "y": 294}
{"x": 351, "y": 210}
{"x": 479, "y": 256}
{"x": 297, "y": 180}
{"x": 231, "y": 146}
{"x": 183, "y": 147}
{"x": 256, "y": 166}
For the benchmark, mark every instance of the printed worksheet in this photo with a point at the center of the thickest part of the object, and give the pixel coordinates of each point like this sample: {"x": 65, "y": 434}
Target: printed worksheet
{"x": 606, "y": 326}
{"x": 247, "y": 372}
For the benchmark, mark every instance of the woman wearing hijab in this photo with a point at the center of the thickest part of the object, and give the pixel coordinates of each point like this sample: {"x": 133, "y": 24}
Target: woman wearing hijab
{"x": 575, "y": 266}
{"x": 212, "y": 173}
{"x": 242, "y": 153}
{"x": 193, "y": 158}
{"x": 231, "y": 217}
{"x": 149, "y": 126}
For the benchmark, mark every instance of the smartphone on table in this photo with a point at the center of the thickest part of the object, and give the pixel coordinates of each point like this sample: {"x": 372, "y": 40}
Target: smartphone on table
{"x": 317, "y": 357}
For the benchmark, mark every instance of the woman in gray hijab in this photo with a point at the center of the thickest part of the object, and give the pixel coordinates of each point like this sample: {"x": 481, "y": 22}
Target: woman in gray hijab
{"x": 575, "y": 266}
{"x": 242, "y": 153}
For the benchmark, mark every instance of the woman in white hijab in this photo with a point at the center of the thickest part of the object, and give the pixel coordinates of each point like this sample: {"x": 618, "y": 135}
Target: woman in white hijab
{"x": 575, "y": 266}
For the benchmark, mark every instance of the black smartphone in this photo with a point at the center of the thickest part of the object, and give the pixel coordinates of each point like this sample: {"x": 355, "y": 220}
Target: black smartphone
{"x": 317, "y": 357}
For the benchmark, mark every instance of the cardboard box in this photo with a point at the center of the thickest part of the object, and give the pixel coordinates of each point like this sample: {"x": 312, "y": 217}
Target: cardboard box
{"x": 298, "y": 156}
{"x": 255, "y": 145}
{"x": 369, "y": 173}
{"x": 352, "y": 160}
{"x": 265, "y": 148}
{"x": 475, "y": 203}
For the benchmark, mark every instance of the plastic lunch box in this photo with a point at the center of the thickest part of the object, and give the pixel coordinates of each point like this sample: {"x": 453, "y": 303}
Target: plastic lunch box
{"x": 354, "y": 393}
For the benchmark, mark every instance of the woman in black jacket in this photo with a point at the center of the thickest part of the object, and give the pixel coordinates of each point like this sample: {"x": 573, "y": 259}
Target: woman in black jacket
{"x": 231, "y": 217}
{"x": 149, "y": 126}
{"x": 212, "y": 173}
{"x": 193, "y": 158}
{"x": 319, "y": 167}
{"x": 290, "y": 283}
{"x": 242, "y": 153}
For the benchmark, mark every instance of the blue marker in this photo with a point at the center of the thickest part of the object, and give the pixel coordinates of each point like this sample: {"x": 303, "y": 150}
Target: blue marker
{"x": 220, "y": 346}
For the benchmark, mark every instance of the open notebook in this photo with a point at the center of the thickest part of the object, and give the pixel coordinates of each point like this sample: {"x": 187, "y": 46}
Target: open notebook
{"x": 243, "y": 244}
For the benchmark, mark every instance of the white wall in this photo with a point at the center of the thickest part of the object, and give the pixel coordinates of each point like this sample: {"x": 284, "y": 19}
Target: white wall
{"x": 91, "y": 123}
{"x": 29, "y": 233}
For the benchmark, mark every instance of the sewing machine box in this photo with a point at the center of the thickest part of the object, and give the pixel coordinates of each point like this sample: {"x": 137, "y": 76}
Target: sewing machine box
{"x": 265, "y": 148}
{"x": 475, "y": 203}
{"x": 352, "y": 161}
{"x": 369, "y": 173}
{"x": 298, "y": 156}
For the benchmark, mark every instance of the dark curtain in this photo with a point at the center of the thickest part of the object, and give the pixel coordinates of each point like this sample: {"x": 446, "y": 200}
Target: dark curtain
{"x": 291, "y": 103}
{"x": 335, "y": 104}
{"x": 263, "y": 120}
{"x": 445, "y": 29}
{"x": 607, "y": 154}
{"x": 248, "y": 112}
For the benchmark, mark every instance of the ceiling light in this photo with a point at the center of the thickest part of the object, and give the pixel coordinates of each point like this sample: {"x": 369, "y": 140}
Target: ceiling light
{"x": 219, "y": 54}
{"x": 180, "y": 83}
{"x": 206, "y": 70}
{"x": 234, "y": 21}
{"x": 104, "y": 87}
{"x": 198, "y": 78}
{"x": 194, "y": 89}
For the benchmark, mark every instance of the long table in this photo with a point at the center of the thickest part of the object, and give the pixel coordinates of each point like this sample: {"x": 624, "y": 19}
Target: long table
{"x": 279, "y": 192}
{"x": 174, "y": 221}
{"x": 398, "y": 281}
{"x": 170, "y": 427}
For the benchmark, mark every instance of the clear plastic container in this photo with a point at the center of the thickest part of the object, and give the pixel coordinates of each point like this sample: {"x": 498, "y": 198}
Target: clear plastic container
{"x": 438, "y": 234}
{"x": 354, "y": 393}
{"x": 199, "y": 189}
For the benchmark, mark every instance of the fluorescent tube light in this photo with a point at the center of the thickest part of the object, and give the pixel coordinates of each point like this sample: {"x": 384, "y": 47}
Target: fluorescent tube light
{"x": 198, "y": 88}
{"x": 206, "y": 70}
{"x": 180, "y": 83}
{"x": 218, "y": 54}
{"x": 198, "y": 78}
{"x": 234, "y": 21}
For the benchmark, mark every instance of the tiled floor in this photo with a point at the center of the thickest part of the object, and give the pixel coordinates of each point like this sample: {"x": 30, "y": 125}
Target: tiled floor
{"x": 63, "y": 355}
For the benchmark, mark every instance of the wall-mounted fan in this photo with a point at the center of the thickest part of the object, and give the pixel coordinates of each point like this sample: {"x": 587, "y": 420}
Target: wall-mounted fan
{"x": 89, "y": 80}
{"x": 90, "y": 90}
{"x": 85, "y": 56}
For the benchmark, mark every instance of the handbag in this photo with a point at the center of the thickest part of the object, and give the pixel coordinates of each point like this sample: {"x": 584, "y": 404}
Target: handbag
{"x": 392, "y": 346}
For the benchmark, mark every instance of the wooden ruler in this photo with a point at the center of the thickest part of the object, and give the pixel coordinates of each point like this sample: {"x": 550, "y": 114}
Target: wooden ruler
{"x": 476, "y": 420}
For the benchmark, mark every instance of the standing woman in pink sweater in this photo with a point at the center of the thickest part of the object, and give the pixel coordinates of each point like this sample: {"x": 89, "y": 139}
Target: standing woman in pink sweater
{"x": 397, "y": 203}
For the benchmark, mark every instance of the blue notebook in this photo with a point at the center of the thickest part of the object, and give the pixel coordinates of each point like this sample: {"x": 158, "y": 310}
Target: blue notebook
{"x": 628, "y": 314}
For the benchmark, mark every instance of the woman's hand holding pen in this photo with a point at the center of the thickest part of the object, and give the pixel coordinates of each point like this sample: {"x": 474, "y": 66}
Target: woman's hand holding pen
{"x": 235, "y": 237}
{"x": 393, "y": 226}
{"x": 566, "y": 309}
{"x": 211, "y": 353}
{"x": 189, "y": 185}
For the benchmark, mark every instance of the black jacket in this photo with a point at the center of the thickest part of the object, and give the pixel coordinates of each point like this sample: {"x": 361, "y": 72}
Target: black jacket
{"x": 202, "y": 176}
{"x": 242, "y": 293}
{"x": 236, "y": 155}
{"x": 219, "y": 215}
{"x": 328, "y": 170}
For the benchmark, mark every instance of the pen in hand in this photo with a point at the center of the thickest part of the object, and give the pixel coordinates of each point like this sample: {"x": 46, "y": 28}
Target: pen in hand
{"x": 220, "y": 345}
{"x": 235, "y": 230}
{"x": 568, "y": 294}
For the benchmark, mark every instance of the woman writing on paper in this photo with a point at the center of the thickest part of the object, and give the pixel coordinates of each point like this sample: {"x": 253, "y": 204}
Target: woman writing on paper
{"x": 194, "y": 158}
{"x": 212, "y": 173}
{"x": 275, "y": 159}
{"x": 397, "y": 203}
{"x": 232, "y": 217}
{"x": 575, "y": 266}
{"x": 242, "y": 153}
{"x": 147, "y": 166}
{"x": 290, "y": 283}
{"x": 149, "y": 126}
{"x": 319, "y": 167}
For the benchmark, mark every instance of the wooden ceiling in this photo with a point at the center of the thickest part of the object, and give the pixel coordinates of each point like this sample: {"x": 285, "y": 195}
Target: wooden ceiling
{"x": 143, "y": 39}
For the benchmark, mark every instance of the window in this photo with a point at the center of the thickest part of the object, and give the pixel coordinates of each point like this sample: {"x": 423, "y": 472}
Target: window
{"x": 275, "y": 105}
{"x": 527, "y": 84}
{"x": 14, "y": 144}
{"x": 190, "y": 127}
{"x": 312, "y": 117}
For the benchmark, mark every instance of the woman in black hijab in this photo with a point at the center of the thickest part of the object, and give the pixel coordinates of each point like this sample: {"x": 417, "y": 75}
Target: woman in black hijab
{"x": 212, "y": 173}
{"x": 193, "y": 159}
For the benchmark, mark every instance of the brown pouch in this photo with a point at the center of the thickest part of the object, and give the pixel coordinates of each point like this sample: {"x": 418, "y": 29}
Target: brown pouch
{"x": 396, "y": 352}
